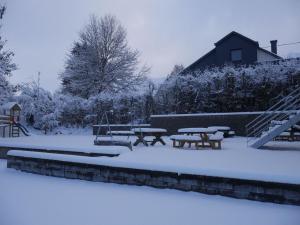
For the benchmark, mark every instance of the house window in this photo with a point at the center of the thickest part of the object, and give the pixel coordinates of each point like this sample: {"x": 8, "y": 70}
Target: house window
{"x": 236, "y": 55}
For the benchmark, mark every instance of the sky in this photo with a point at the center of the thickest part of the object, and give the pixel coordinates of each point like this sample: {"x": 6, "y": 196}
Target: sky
{"x": 166, "y": 32}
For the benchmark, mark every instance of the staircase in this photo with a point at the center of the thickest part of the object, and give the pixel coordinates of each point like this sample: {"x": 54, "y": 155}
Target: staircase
{"x": 277, "y": 119}
{"x": 15, "y": 131}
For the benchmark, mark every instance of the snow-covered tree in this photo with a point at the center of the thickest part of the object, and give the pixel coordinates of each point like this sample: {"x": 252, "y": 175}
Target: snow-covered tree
{"x": 101, "y": 60}
{"x": 176, "y": 70}
{"x": 6, "y": 66}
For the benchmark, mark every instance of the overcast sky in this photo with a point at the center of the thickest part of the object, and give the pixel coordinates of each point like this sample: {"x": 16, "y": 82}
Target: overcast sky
{"x": 166, "y": 32}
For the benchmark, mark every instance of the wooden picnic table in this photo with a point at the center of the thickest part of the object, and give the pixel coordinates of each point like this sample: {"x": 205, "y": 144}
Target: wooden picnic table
{"x": 141, "y": 133}
{"x": 202, "y": 131}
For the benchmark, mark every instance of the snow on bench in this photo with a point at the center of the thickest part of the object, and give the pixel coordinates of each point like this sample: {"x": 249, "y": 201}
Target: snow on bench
{"x": 277, "y": 122}
{"x": 231, "y": 133}
{"x": 149, "y": 130}
{"x": 182, "y": 139}
{"x": 218, "y": 136}
{"x": 120, "y": 132}
{"x": 215, "y": 140}
{"x": 185, "y": 137}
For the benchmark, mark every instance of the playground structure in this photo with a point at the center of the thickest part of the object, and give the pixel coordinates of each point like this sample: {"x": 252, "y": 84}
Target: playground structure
{"x": 108, "y": 138}
{"x": 10, "y": 120}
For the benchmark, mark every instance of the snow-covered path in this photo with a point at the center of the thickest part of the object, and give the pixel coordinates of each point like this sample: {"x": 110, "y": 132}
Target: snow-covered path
{"x": 29, "y": 199}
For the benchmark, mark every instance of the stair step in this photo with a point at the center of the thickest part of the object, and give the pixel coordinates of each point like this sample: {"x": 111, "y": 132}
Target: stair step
{"x": 275, "y": 130}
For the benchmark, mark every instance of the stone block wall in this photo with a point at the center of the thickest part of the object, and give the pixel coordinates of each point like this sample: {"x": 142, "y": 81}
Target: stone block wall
{"x": 282, "y": 193}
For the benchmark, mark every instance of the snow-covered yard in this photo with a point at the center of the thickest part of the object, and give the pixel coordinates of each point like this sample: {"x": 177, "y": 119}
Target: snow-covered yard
{"x": 28, "y": 199}
{"x": 235, "y": 160}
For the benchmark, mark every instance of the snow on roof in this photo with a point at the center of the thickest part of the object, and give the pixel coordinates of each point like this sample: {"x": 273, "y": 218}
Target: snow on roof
{"x": 10, "y": 105}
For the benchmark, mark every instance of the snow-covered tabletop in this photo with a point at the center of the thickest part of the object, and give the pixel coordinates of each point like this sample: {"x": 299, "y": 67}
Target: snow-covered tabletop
{"x": 197, "y": 130}
{"x": 149, "y": 130}
{"x": 220, "y": 128}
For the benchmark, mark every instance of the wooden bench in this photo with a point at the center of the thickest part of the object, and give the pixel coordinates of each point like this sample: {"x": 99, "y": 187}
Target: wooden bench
{"x": 284, "y": 136}
{"x": 215, "y": 140}
{"x": 182, "y": 139}
{"x": 231, "y": 133}
{"x": 120, "y": 133}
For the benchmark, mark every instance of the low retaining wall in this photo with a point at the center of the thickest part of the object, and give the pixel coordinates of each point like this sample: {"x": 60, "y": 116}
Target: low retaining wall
{"x": 122, "y": 127}
{"x": 236, "y": 121}
{"x": 4, "y": 150}
{"x": 237, "y": 188}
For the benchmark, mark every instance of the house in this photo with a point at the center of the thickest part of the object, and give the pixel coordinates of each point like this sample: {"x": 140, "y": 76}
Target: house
{"x": 237, "y": 49}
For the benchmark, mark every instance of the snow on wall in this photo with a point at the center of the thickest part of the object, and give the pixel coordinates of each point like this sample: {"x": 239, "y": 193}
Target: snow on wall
{"x": 283, "y": 193}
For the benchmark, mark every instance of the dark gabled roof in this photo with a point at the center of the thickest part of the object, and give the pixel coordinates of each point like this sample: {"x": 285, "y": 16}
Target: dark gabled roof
{"x": 222, "y": 40}
{"x": 198, "y": 60}
{"x": 238, "y": 34}
{"x": 270, "y": 53}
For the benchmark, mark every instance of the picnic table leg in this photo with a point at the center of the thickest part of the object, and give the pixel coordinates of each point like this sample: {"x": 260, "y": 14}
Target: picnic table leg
{"x": 182, "y": 144}
{"x": 158, "y": 139}
{"x": 140, "y": 139}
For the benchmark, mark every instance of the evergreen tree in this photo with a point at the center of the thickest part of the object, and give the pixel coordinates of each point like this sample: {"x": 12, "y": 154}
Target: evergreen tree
{"x": 6, "y": 66}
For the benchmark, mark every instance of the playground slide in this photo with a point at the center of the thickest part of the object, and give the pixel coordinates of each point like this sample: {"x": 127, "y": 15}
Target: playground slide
{"x": 22, "y": 128}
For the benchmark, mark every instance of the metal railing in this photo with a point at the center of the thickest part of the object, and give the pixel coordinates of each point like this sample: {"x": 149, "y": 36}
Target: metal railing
{"x": 287, "y": 106}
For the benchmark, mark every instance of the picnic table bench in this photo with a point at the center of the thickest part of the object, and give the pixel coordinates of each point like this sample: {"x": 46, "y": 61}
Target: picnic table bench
{"x": 215, "y": 140}
{"x": 292, "y": 134}
{"x": 142, "y": 133}
{"x": 120, "y": 132}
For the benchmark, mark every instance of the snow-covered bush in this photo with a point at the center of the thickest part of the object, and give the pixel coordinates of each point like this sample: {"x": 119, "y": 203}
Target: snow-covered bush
{"x": 229, "y": 88}
{"x": 49, "y": 122}
{"x": 70, "y": 110}
{"x": 37, "y": 105}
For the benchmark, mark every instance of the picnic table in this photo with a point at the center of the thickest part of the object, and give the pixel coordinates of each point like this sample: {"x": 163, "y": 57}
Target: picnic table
{"x": 141, "y": 133}
{"x": 201, "y": 131}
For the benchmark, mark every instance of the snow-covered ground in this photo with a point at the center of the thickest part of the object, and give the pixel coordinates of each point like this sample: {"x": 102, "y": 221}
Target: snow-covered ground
{"x": 234, "y": 160}
{"x": 76, "y": 143}
{"x": 29, "y": 199}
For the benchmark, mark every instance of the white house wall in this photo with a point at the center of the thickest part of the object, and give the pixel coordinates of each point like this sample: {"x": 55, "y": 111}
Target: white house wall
{"x": 263, "y": 56}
